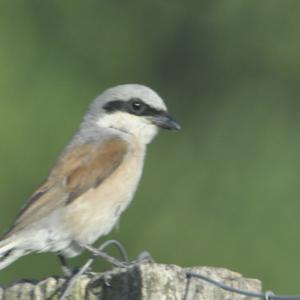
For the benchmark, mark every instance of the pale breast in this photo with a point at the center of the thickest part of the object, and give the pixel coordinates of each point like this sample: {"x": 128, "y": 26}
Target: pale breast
{"x": 96, "y": 212}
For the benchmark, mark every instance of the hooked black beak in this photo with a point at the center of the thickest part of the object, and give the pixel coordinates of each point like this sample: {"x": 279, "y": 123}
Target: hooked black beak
{"x": 165, "y": 121}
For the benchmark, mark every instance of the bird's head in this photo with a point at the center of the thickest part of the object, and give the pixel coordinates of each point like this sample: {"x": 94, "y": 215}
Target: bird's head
{"x": 132, "y": 109}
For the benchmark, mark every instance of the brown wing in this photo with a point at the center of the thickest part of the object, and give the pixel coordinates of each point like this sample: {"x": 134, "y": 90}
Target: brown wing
{"x": 77, "y": 171}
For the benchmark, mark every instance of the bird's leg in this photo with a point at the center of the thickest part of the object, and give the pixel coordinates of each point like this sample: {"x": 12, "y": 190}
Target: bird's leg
{"x": 65, "y": 268}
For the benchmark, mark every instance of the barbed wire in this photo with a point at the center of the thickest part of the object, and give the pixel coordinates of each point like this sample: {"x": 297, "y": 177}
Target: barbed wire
{"x": 268, "y": 295}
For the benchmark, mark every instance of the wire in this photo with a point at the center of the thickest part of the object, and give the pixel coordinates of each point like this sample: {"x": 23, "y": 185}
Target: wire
{"x": 265, "y": 295}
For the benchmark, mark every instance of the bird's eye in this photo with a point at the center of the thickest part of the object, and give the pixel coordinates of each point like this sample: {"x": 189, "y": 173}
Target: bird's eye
{"x": 137, "y": 106}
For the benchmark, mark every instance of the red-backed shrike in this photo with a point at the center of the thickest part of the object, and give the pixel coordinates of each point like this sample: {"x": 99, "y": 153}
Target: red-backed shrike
{"x": 94, "y": 179}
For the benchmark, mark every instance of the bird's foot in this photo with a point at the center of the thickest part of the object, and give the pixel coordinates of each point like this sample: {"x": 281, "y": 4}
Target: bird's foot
{"x": 67, "y": 271}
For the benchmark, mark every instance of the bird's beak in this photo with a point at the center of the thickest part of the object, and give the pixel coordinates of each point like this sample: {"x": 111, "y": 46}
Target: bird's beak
{"x": 165, "y": 121}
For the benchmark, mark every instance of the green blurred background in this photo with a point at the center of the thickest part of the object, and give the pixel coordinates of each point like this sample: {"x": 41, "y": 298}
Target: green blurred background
{"x": 225, "y": 191}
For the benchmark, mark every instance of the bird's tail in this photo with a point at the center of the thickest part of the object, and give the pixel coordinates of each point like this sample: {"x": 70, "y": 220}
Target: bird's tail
{"x": 9, "y": 252}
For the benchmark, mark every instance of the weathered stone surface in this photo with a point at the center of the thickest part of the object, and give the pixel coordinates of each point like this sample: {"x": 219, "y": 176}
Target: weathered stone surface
{"x": 143, "y": 281}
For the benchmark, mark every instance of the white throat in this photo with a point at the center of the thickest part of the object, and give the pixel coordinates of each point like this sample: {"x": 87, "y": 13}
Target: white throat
{"x": 126, "y": 123}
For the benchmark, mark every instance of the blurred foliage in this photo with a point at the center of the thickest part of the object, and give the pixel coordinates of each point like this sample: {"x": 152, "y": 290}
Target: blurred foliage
{"x": 224, "y": 191}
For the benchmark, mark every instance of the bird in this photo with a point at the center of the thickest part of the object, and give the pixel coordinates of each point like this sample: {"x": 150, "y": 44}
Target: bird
{"x": 94, "y": 178}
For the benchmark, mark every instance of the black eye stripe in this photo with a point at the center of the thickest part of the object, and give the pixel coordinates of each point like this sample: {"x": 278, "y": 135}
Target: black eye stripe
{"x": 113, "y": 106}
{"x": 119, "y": 105}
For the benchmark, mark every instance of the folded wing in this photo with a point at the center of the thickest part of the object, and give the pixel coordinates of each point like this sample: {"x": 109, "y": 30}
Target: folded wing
{"x": 77, "y": 170}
